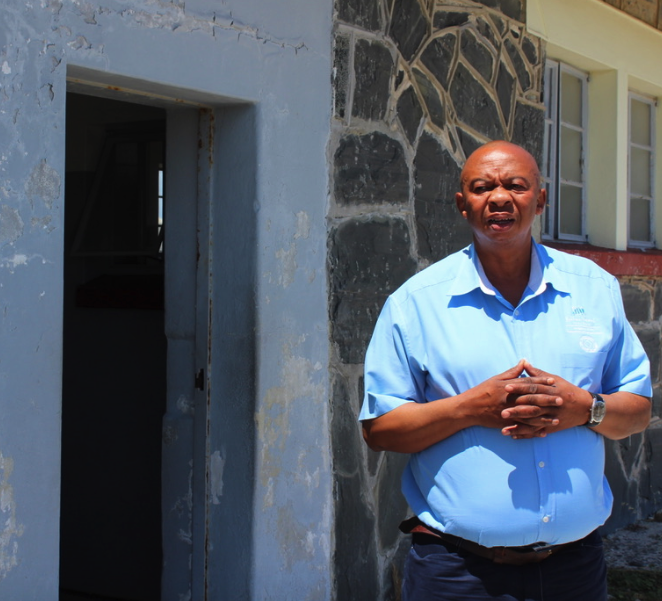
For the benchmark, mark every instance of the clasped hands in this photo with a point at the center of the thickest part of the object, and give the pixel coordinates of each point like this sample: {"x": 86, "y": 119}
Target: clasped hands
{"x": 527, "y": 402}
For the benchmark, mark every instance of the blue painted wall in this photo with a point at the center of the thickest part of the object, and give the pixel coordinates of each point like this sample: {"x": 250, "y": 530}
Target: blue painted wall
{"x": 275, "y": 58}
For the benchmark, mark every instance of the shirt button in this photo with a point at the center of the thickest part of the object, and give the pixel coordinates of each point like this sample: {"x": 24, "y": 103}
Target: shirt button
{"x": 516, "y": 312}
{"x": 541, "y": 464}
{"x": 546, "y": 519}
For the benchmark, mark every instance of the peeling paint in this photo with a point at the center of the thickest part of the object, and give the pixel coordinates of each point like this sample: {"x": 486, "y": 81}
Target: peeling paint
{"x": 268, "y": 499}
{"x": 185, "y": 537}
{"x": 273, "y": 418}
{"x": 15, "y": 261}
{"x": 11, "y": 530}
{"x": 80, "y": 43}
{"x": 11, "y": 225}
{"x": 44, "y": 223}
{"x": 297, "y": 541}
{"x": 169, "y": 435}
{"x": 185, "y": 405}
{"x": 43, "y": 184}
{"x": 217, "y": 465}
{"x": 311, "y": 480}
{"x": 45, "y": 95}
{"x": 288, "y": 259}
{"x": 18, "y": 260}
{"x": 87, "y": 12}
{"x": 176, "y": 19}
{"x": 303, "y": 225}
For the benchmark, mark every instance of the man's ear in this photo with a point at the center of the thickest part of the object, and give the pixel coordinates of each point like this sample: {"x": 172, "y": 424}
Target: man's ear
{"x": 461, "y": 206}
{"x": 542, "y": 201}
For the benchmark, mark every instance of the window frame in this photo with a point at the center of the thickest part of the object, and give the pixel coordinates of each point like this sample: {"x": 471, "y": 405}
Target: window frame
{"x": 652, "y": 103}
{"x": 552, "y": 152}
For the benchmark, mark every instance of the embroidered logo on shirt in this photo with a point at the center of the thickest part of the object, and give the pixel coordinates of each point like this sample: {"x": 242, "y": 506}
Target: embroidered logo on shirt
{"x": 580, "y": 323}
{"x": 588, "y": 344}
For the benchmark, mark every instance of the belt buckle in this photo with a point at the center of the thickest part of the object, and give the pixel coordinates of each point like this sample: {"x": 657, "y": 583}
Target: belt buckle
{"x": 542, "y": 548}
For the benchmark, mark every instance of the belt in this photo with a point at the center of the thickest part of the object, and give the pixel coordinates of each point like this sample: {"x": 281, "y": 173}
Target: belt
{"x": 507, "y": 555}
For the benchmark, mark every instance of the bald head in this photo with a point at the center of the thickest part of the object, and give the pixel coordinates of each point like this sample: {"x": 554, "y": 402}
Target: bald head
{"x": 499, "y": 148}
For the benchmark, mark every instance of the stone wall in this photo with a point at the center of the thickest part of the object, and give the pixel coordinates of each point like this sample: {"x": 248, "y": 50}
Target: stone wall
{"x": 418, "y": 85}
{"x": 633, "y": 463}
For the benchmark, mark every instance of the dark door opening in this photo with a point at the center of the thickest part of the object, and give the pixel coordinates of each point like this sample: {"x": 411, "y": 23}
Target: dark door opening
{"x": 114, "y": 370}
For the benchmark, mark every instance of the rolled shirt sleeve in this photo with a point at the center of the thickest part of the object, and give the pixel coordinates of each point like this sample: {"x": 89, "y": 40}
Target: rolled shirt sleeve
{"x": 392, "y": 376}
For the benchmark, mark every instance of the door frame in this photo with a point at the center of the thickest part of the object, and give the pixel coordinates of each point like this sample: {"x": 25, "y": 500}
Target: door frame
{"x": 209, "y": 431}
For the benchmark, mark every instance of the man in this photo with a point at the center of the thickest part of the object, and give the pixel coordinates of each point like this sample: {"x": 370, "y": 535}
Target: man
{"x": 500, "y": 369}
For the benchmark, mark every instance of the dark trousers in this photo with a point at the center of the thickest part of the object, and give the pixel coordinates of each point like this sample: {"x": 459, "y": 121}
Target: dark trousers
{"x": 435, "y": 571}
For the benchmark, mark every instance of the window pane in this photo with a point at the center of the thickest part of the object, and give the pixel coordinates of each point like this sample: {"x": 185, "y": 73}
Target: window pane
{"x": 640, "y": 122}
{"x": 571, "y": 210}
{"x": 640, "y": 172}
{"x": 640, "y": 226}
{"x": 571, "y": 155}
{"x": 571, "y": 99}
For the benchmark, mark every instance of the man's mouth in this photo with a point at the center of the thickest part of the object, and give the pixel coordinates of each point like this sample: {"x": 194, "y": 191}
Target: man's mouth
{"x": 500, "y": 222}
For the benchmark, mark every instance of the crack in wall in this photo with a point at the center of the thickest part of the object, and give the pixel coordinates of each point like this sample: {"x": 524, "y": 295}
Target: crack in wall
{"x": 175, "y": 18}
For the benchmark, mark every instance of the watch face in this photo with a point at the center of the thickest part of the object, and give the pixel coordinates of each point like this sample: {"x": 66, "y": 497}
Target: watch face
{"x": 598, "y": 409}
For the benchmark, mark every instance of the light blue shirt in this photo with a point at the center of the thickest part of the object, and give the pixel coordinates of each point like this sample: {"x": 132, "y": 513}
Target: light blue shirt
{"x": 447, "y": 330}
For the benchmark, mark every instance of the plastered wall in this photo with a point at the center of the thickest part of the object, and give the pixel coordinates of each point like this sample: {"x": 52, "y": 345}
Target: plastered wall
{"x": 273, "y": 60}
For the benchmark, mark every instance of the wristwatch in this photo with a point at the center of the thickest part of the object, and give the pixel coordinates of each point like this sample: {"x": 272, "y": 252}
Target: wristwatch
{"x": 598, "y": 410}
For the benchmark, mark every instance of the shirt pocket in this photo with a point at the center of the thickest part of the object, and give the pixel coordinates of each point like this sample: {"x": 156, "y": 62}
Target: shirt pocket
{"x": 584, "y": 369}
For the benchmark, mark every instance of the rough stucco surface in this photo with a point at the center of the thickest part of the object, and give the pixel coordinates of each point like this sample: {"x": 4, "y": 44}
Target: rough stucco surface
{"x": 30, "y": 280}
{"x": 255, "y": 53}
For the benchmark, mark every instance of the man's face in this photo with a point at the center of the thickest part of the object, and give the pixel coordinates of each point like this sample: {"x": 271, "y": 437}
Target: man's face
{"x": 501, "y": 194}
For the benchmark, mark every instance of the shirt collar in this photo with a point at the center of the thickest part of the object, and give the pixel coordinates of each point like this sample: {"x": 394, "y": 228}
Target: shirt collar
{"x": 471, "y": 274}
{"x": 550, "y": 274}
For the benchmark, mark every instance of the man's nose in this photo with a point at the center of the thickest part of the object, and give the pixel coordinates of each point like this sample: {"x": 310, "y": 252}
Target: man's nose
{"x": 500, "y": 196}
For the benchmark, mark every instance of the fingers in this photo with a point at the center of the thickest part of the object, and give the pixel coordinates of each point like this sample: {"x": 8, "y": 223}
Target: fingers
{"x": 530, "y": 385}
{"x": 530, "y": 413}
{"x": 523, "y": 366}
{"x": 540, "y": 399}
{"x": 513, "y": 372}
{"x": 524, "y": 431}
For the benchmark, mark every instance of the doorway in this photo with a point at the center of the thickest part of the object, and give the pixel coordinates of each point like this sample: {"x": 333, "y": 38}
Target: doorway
{"x": 160, "y": 187}
{"x": 115, "y": 351}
